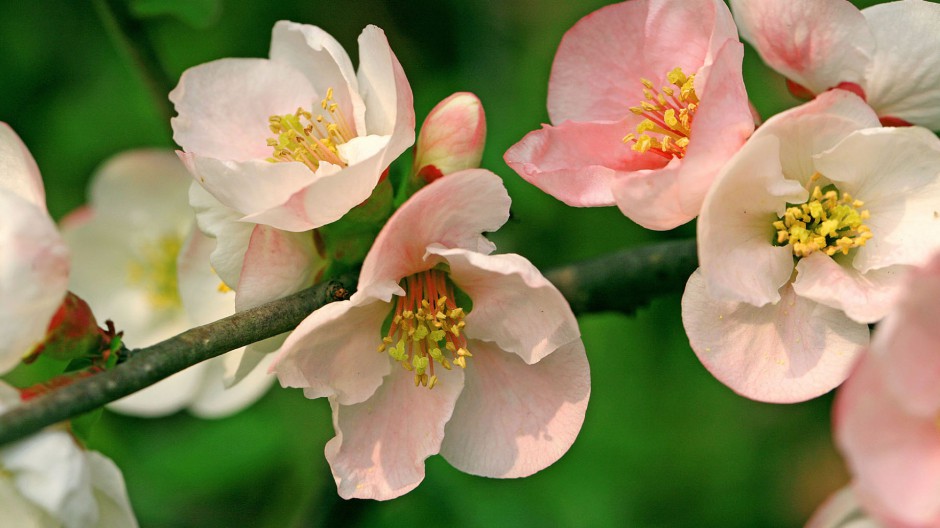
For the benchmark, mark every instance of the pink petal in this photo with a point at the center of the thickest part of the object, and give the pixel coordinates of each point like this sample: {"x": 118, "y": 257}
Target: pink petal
{"x": 578, "y": 162}
{"x": 381, "y": 444}
{"x": 894, "y": 455}
{"x": 907, "y": 342}
{"x": 453, "y": 135}
{"x": 453, "y": 211}
{"x": 34, "y": 268}
{"x": 514, "y": 305}
{"x": 904, "y": 78}
{"x": 18, "y": 170}
{"x": 597, "y": 69}
{"x": 386, "y": 93}
{"x": 255, "y": 186}
{"x": 704, "y": 26}
{"x": 865, "y": 298}
{"x": 315, "y": 53}
{"x": 224, "y": 106}
{"x": 816, "y": 43}
{"x": 785, "y": 352}
{"x": 277, "y": 264}
{"x": 513, "y": 419}
{"x": 333, "y": 351}
{"x": 735, "y": 226}
{"x": 896, "y": 172}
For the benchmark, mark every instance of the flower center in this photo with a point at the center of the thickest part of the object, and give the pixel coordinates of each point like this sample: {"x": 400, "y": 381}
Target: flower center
{"x": 310, "y": 139}
{"x": 669, "y": 113}
{"x": 426, "y": 327}
{"x": 154, "y": 267}
{"x": 829, "y": 221}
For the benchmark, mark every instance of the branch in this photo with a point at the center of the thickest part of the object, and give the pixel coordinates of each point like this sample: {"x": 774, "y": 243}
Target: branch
{"x": 149, "y": 365}
{"x": 623, "y": 281}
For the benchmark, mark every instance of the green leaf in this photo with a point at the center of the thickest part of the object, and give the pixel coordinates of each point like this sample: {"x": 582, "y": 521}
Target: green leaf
{"x": 196, "y": 13}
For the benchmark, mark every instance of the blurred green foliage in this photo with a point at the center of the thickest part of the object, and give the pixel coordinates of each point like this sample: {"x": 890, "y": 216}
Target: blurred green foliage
{"x": 663, "y": 444}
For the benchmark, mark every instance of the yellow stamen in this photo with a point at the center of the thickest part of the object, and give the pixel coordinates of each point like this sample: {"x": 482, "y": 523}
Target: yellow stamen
{"x": 154, "y": 267}
{"x": 302, "y": 137}
{"x": 668, "y": 116}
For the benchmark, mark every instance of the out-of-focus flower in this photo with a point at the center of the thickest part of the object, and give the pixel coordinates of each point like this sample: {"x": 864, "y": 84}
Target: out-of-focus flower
{"x": 132, "y": 249}
{"x": 48, "y": 480}
{"x": 803, "y": 241}
{"x": 647, "y": 104}
{"x": 887, "y": 413}
{"x": 34, "y": 263}
{"x": 431, "y": 287}
{"x": 887, "y": 52}
{"x": 452, "y": 138}
{"x": 295, "y": 141}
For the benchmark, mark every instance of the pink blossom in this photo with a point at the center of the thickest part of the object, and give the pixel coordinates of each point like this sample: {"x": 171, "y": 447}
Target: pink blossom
{"x": 886, "y": 53}
{"x": 803, "y": 240}
{"x": 647, "y": 103}
{"x": 297, "y": 140}
{"x": 887, "y": 413}
{"x": 34, "y": 263}
{"x": 517, "y": 402}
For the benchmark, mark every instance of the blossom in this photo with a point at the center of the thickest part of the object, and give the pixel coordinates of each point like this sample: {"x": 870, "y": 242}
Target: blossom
{"x": 34, "y": 263}
{"x": 885, "y": 52}
{"x": 452, "y": 137}
{"x": 803, "y": 241}
{"x": 886, "y": 413}
{"x": 647, "y": 103}
{"x": 517, "y": 401}
{"x": 297, "y": 140}
{"x": 133, "y": 246}
{"x": 49, "y": 480}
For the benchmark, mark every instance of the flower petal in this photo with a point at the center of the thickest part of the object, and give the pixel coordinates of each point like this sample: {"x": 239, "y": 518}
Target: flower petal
{"x": 333, "y": 351}
{"x": 513, "y": 419}
{"x": 907, "y": 343}
{"x": 114, "y": 507}
{"x": 597, "y": 69}
{"x": 277, "y": 264}
{"x": 786, "y": 352}
{"x": 381, "y": 444}
{"x": 841, "y": 510}
{"x": 224, "y": 106}
{"x": 322, "y": 59}
{"x": 817, "y": 43}
{"x": 904, "y": 77}
{"x": 256, "y": 186}
{"x": 514, "y": 305}
{"x": 33, "y": 276}
{"x": 453, "y": 212}
{"x": 231, "y": 235}
{"x": 735, "y": 251}
{"x": 386, "y": 92}
{"x": 864, "y": 297}
{"x": 18, "y": 170}
{"x": 215, "y": 400}
{"x": 894, "y": 455}
{"x": 896, "y": 172}
{"x": 578, "y": 162}
{"x": 165, "y": 397}
{"x": 705, "y": 26}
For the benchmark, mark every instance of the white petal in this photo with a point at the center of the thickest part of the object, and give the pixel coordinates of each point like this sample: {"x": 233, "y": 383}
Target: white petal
{"x": 786, "y": 352}
{"x": 514, "y": 305}
{"x": 18, "y": 170}
{"x": 114, "y": 507}
{"x": 864, "y": 297}
{"x": 904, "y": 78}
{"x": 165, "y": 397}
{"x": 513, "y": 419}
{"x": 735, "y": 228}
{"x": 224, "y": 106}
{"x": 231, "y": 235}
{"x": 896, "y": 172}
{"x": 214, "y": 400}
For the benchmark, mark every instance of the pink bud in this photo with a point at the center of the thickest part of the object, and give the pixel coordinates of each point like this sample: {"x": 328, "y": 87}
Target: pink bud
{"x": 452, "y": 137}
{"x": 72, "y": 333}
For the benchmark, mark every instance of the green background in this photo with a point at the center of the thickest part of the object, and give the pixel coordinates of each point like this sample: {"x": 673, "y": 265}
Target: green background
{"x": 663, "y": 443}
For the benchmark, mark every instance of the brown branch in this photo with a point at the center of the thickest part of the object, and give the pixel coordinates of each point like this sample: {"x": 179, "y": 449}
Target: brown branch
{"x": 622, "y": 281}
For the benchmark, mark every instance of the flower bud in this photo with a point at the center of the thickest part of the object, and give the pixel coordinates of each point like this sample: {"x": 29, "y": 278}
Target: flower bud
{"x": 72, "y": 333}
{"x": 451, "y": 139}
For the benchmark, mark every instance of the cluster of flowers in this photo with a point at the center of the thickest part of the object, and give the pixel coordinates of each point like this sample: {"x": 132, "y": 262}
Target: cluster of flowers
{"x": 815, "y": 225}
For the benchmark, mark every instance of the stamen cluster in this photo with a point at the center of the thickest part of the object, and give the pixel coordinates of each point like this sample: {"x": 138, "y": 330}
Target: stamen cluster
{"x": 308, "y": 139}
{"x": 668, "y": 113}
{"x": 829, "y": 221}
{"x": 155, "y": 267}
{"x": 426, "y": 325}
